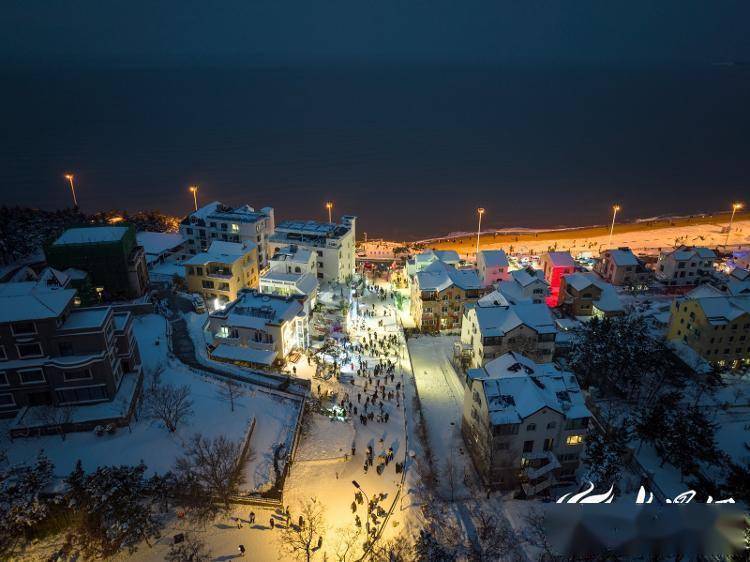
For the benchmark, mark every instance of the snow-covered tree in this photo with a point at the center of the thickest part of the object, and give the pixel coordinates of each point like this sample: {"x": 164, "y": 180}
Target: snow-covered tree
{"x": 210, "y": 468}
{"x": 604, "y": 455}
{"x": 169, "y": 404}
{"x": 22, "y": 505}
{"x": 110, "y": 510}
{"x": 192, "y": 549}
{"x": 230, "y": 390}
{"x": 428, "y": 548}
{"x": 301, "y": 541}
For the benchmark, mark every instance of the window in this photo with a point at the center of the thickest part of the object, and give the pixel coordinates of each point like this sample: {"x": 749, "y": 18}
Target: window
{"x": 551, "y": 425}
{"x": 4, "y": 379}
{"x": 7, "y": 401}
{"x": 574, "y": 440}
{"x": 82, "y": 374}
{"x": 528, "y": 446}
{"x": 199, "y": 271}
{"x": 81, "y": 394}
{"x": 23, "y": 328}
{"x": 548, "y": 444}
{"x": 3, "y": 355}
{"x": 531, "y": 427}
{"x": 31, "y": 376}
{"x": 207, "y": 284}
{"x": 29, "y": 350}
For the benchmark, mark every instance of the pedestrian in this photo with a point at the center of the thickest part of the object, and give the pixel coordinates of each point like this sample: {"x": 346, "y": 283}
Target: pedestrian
{"x": 273, "y": 523}
{"x": 301, "y": 521}
{"x": 251, "y": 517}
{"x": 241, "y": 548}
{"x": 239, "y": 523}
{"x": 354, "y": 507}
{"x": 320, "y": 542}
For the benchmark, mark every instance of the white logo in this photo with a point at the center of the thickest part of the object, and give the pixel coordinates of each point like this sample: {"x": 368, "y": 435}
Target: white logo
{"x": 643, "y": 497}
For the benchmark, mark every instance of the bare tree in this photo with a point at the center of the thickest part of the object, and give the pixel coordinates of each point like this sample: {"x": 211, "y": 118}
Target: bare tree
{"x": 230, "y": 390}
{"x": 170, "y": 404}
{"x": 302, "y": 541}
{"x": 496, "y": 539}
{"x": 346, "y": 545}
{"x": 56, "y": 417}
{"x": 211, "y": 468}
{"x": 192, "y": 549}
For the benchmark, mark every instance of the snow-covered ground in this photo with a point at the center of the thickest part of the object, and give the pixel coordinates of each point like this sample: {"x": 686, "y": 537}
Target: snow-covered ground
{"x": 148, "y": 441}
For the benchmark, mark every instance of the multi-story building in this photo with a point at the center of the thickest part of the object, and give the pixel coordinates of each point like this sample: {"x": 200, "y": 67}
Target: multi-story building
{"x": 685, "y": 266}
{"x": 713, "y": 324}
{"x": 622, "y": 267}
{"x": 555, "y": 265}
{"x": 114, "y": 261}
{"x": 220, "y": 273}
{"x": 52, "y": 354}
{"x": 439, "y": 293}
{"x": 524, "y": 423}
{"x": 217, "y": 221}
{"x": 493, "y": 327}
{"x": 525, "y": 285}
{"x": 492, "y": 266}
{"x": 333, "y": 245}
{"x": 418, "y": 262}
{"x": 258, "y": 329}
{"x": 586, "y": 294}
{"x": 292, "y": 273}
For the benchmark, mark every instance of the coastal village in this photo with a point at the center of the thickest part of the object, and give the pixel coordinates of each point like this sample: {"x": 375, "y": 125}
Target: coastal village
{"x": 229, "y": 384}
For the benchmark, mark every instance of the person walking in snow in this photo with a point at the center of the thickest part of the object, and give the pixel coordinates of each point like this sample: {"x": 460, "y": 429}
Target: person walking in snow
{"x": 241, "y": 548}
{"x": 251, "y": 517}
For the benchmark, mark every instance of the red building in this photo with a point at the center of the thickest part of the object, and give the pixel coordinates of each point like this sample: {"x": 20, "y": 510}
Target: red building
{"x": 555, "y": 265}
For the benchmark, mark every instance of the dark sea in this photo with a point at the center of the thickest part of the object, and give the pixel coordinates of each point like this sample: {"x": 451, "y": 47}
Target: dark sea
{"x": 411, "y": 150}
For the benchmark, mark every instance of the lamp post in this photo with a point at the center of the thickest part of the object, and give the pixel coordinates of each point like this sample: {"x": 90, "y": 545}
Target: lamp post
{"x": 480, "y": 211}
{"x": 735, "y": 207}
{"x": 70, "y": 178}
{"x": 615, "y": 208}
{"x": 194, "y": 190}
{"x": 329, "y": 206}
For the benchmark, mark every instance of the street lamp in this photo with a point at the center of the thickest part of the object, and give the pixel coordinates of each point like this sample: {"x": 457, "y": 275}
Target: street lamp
{"x": 329, "y": 206}
{"x": 70, "y": 177}
{"x": 735, "y": 207}
{"x": 480, "y": 211}
{"x": 615, "y": 208}
{"x": 194, "y": 190}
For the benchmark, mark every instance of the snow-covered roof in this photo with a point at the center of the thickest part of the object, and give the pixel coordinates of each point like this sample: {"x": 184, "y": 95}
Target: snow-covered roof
{"x": 156, "y": 243}
{"x": 247, "y": 354}
{"x": 91, "y": 235}
{"x": 495, "y": 298}
{"x": 494, "y": 258}
{"x": 83, "y": 318}
{"x": 439, "y": 276}
{"x": 292, "y": 254}
{"x": 30, "y": 301}
{"x": 737, "y": 288}
{"x": 516, "y": 387}
{"x": 608, "y": 301}
{"x": 499, "y": 320}
{"x": 740, "y": 274}
{"x": 686, "y": 253}
{"x": 255, "y": 310}
{"x": 527, "y": 276}
{"x": 305, "y": 283}
{"x": 222, "y": 252}
{"x": 561, "y": 259}
{"x": 76, "y": 274}
{"x": 623, "y": 257}
{"x": 723, "y": 309}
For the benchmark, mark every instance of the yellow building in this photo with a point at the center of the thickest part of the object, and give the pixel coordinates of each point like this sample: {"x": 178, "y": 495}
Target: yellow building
{"x": 714, "y": 325}
{"x": 221, "y": 272}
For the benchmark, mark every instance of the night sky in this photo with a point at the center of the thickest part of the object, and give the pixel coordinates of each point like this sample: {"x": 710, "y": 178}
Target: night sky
{"x": 407, "y": 114}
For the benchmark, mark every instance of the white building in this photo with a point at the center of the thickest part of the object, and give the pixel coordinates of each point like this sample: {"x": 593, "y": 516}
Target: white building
{"x": 333, "y": 245}
{"x": 524, "y": 423}
{"x": 217, "y": 221}
{"x": 492, "y": 266}
{"x": 685, "y": 265}
{"x": 160, "y": 246}
{"x": 292, "y": 272}
{"x": 494, "y": 326}
{"x": 419, "y": 262}
{"x": 258, "y": 329}
{"x": 525, "y": 285}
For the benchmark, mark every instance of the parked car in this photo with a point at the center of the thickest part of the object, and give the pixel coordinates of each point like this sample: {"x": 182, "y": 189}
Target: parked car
{"x": 199, "y": 304}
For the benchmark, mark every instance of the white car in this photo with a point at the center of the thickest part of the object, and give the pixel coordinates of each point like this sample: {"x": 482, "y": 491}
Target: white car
{"x": 199, "y": 304}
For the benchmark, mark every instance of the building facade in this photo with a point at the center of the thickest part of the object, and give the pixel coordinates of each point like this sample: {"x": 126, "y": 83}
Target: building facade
{"x": 219, "y": 222}
{"x": 525, "y": 285}
{"x": 685, "y": 266}
{"x": 586, "y": 294}
{"x": 259, "y": 329}
{"x": 439, "y": 293}
{"x": 333, "y": 245}
{"x": 621, "y": 267}
{"x": 490, "y": 329}
{"x": 492, "y": 266}
{"x": 714, "y": 325}
{"x": 114, "y": 261}
{"x": 524, "y": 424}
{"x": 555, "y": 265}
{"x": 52, "y": 354}
{"x": 220, "y": 273}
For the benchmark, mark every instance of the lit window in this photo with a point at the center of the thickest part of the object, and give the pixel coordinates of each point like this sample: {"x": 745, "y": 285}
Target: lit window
{"x": 574, "y": 439}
